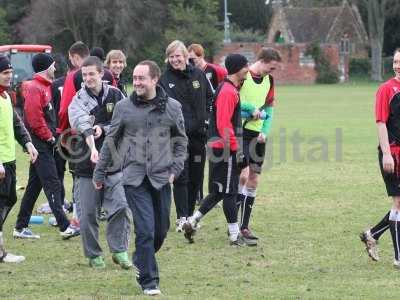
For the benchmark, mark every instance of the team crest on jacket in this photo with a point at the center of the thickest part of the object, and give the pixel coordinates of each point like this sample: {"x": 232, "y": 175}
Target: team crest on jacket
{"x": 109, "y": 107}
{"x": 196, "y": 84}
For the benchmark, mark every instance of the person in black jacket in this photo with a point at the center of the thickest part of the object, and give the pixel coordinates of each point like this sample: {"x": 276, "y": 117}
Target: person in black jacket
{"x": 190, "y": 87}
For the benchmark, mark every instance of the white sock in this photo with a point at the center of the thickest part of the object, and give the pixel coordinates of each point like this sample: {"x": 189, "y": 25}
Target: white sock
{"x": 197, "y": 216}
{"x": 251, "y": 192}
{"x": 74, "y": 214}
{"x": 394, "y": 215}
{"x": 233, "y": 231}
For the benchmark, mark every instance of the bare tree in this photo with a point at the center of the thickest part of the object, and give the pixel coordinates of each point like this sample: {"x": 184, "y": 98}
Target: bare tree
{"x": 107, "y": 23}
{"x": 378, "y": 10}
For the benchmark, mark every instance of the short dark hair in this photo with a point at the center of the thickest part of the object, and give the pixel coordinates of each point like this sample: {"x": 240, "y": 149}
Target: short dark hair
{"x": 269, "y": 54}
{"x": 93, "y": 61}
{"x": 79, "y": 48}
{"x": 154, "y": 69}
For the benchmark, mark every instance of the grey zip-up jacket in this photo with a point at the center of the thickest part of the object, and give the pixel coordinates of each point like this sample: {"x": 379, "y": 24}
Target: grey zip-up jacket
{"x": 84, "y": 112}
{"x": 148, "y": 137}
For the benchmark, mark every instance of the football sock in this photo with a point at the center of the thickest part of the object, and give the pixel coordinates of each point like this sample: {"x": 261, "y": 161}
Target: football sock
{"x": 394, "y": 224}
{"x": 381, "y": 227}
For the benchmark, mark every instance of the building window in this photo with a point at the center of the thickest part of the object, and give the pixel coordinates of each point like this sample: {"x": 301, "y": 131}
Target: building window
{"x": 345, "y": 46}
{"x": 279, "y": 38}
{"x": 306, "y": 60}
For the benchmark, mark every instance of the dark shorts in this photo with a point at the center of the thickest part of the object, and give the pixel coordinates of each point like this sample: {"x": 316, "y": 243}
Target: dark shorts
{"x": 392, "y": 182}
{"x": 253, "y": 151}
{"x": 224, "y": 172}
{"x": 8, "y": 184}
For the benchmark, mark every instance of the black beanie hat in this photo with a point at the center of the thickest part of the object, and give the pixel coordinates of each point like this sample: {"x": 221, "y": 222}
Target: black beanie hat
{"x": 97, "y": 51}
{"x": 4, "y": 63}
{"x": 234, "y": 63}
{"x": 41, "y": 62}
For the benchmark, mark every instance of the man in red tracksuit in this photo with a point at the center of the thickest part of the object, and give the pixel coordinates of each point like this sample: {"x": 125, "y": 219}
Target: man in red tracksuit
{"x": 77, "y": 54}
{"x": 387, "y": 117}
{"x": 224, "y": 132}
{"x": 214, "y": 73}
{"x": 40, "y": 121}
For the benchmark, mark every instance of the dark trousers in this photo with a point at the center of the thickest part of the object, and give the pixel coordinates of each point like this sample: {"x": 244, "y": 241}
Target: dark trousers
{"x": 150, "y": 211}
{"x": 60, "y": 165}
{"x": 43, "y": 174}
{"x": 8, "y": 193}
{"x": 229, "y": 205}
{"x": 188, "y": 184}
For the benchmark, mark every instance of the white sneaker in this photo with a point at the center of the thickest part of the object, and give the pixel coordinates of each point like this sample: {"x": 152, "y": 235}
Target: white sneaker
{"x": 179, "y": 223}
{"x": 11, "y": 258}
{"x": 152, "y": 292}
{"x": 25, "y": 233}
{"x": 396, "y": 263}
{"x": 70, "y": 232}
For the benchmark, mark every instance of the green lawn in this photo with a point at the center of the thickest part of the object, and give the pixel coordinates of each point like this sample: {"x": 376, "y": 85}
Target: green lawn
{"x": 308, "y": 213}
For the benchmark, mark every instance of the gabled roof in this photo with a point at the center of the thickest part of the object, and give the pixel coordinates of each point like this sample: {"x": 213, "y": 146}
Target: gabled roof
{"x": 310, "y": 24}
{"x": 315, "y": 24}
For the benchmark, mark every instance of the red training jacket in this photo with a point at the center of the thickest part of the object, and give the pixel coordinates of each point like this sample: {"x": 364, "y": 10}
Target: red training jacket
{"x": 37, "y": 95}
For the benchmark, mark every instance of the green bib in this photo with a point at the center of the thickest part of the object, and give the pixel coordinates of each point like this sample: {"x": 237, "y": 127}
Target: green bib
{"x": 254, "y": 94}
{"x": 7, "y": 141}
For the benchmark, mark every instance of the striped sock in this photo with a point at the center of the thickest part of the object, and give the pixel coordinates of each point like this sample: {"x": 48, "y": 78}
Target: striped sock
{"x": 394, "y": 223}
{"x": 381, "y": 227}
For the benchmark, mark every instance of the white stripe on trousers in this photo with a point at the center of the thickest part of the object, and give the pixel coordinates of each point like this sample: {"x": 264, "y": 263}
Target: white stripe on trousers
{"x": 397, "y": 241}
{"x": 384, "y": 228}
{"x": 243, "y": 209}
{"x": 229, "y": 175}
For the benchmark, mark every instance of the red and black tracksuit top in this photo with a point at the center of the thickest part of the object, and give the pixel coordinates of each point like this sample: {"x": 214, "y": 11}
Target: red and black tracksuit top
{"x": 387, "y": 110}
{"x": 39, "y": 114}
{"x": 225, "y": 122}
{"x": 215, "y": 74}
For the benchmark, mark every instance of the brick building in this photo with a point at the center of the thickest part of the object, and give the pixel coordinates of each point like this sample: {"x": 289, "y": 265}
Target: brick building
{"x": 339, "y": 31}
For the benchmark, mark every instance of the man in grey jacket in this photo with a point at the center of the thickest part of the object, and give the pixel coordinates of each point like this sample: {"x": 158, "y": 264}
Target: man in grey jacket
{"x": 90, "y": 114}
{"x": 148, "y": 132}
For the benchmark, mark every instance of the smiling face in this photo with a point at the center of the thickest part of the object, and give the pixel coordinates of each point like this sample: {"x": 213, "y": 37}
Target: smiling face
{"x": 396, "y": 64}
{"x": 6, "y": 77}
{"x": 92, "y": 77}
{"x": 116, "y": 66}
{"x": 177, "y": 59}
{"x": 143, "y": 84}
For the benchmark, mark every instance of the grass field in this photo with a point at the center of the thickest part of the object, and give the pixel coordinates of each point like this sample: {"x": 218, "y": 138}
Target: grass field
{"x": 311, "y": 205}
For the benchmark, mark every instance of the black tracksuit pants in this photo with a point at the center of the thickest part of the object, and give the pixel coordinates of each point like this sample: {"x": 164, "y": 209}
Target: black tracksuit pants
{"x": 8, "y": 193}
{"x": 189, "y": 183}
{"x": 43, "y": 174}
